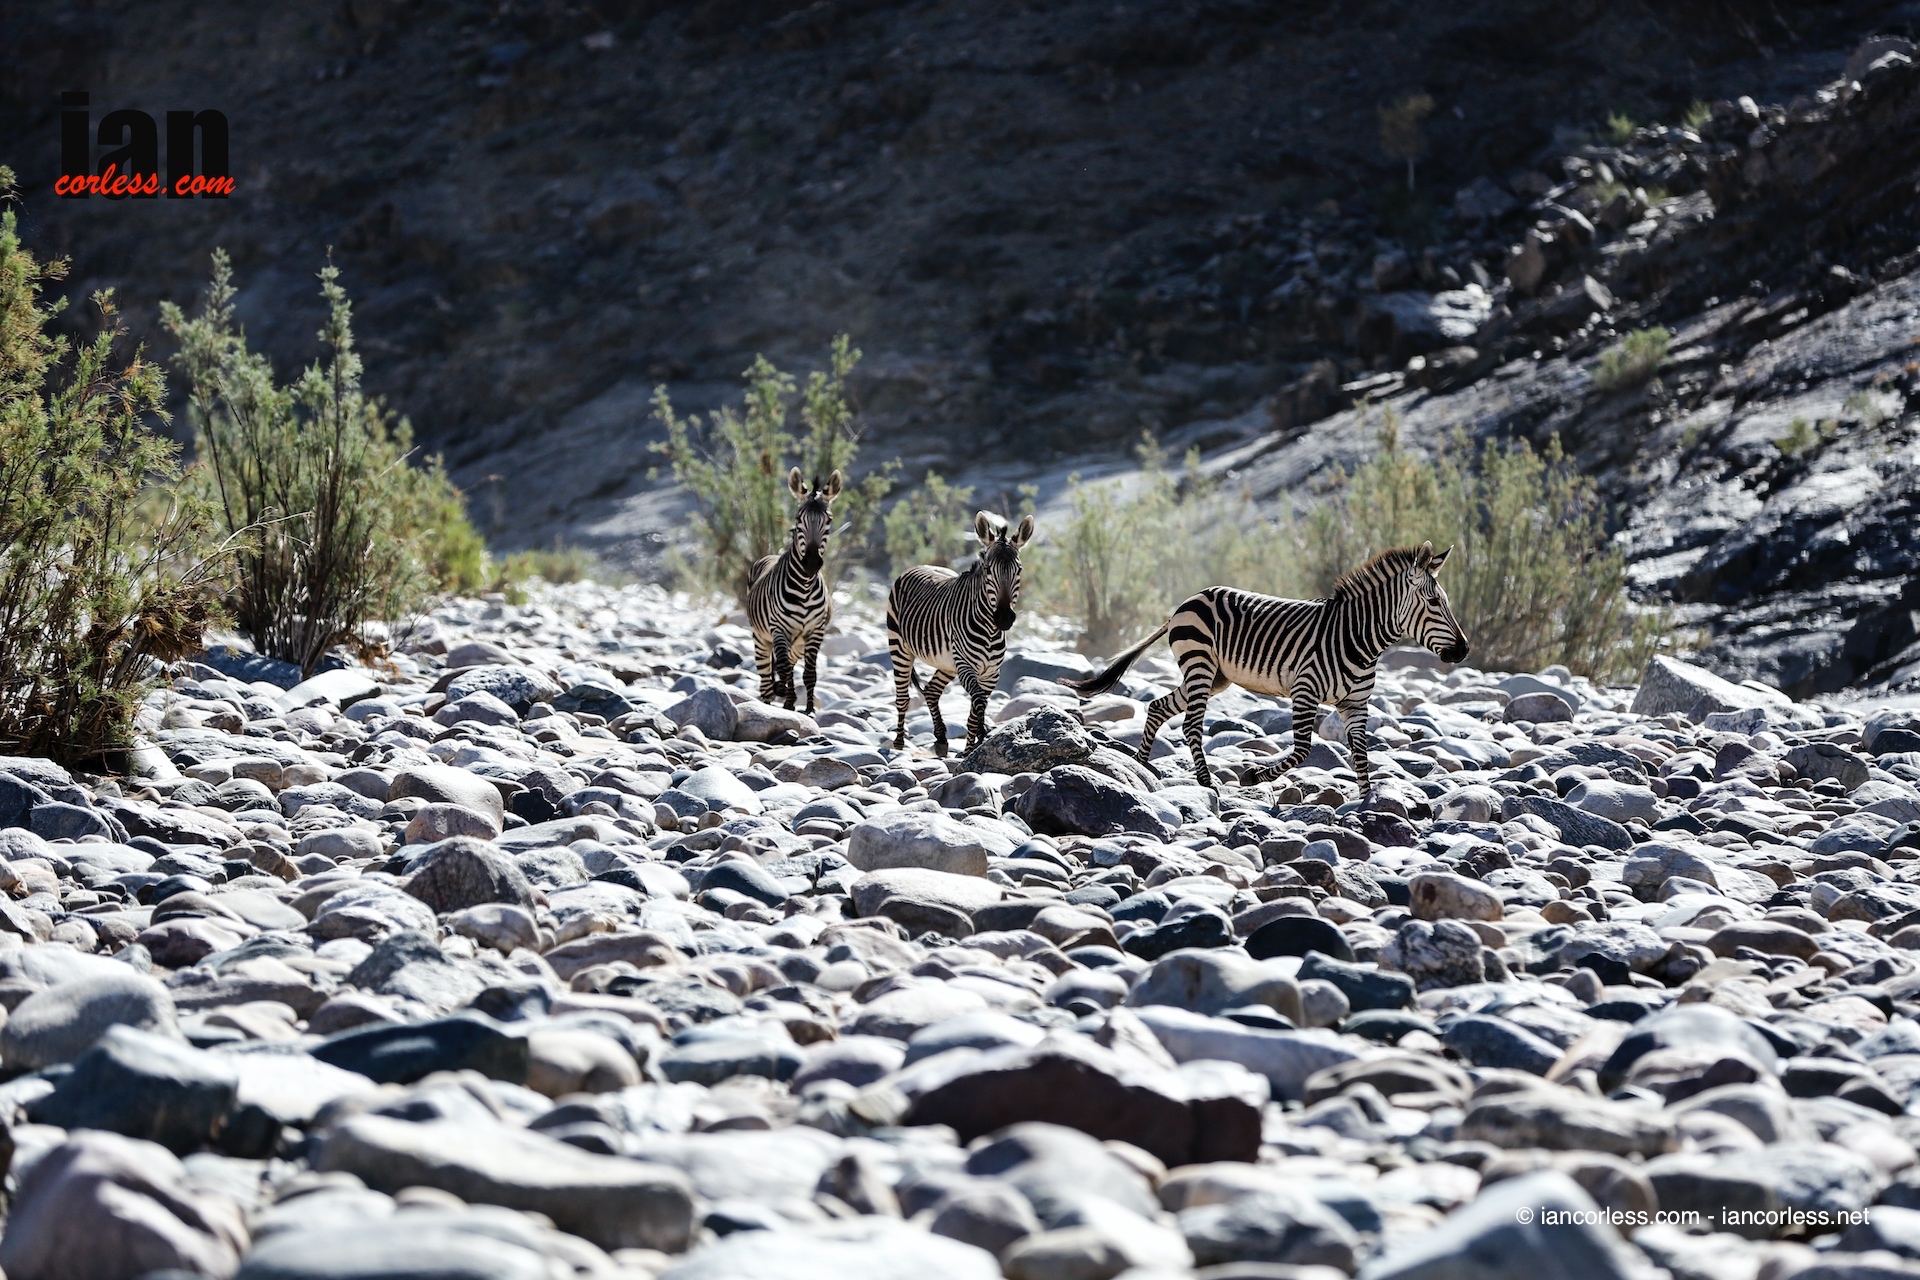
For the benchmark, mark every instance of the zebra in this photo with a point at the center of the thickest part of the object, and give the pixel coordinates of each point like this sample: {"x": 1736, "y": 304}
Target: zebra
{"x": 787, "y": 603}
{"x": 1313, "y": 650}
{"x": 957, "y": 624}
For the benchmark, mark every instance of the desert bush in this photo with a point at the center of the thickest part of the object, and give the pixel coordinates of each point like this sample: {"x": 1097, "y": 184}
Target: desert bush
{"x": 734, "y": 465}
{"x": 928, "y": 525}
{"x": 1128, "y": 551}
{"x": 1699, "y": 115}
{"x": 100, "y": 569}
{"x": 1533, "y": 579}
{"x": 334, "y": 527}
{"x": 1620, "y": 128}
{"x": 555, "y": 566}
{"x": 1632, "y": 361}
{"x": 1802, "y": 437}
{"x": 1403, "y": 131}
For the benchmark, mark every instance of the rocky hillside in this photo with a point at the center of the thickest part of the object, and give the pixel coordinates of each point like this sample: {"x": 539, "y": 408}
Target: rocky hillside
{"x": 1050, "y": 227}
{"x": 1769, "y": 476}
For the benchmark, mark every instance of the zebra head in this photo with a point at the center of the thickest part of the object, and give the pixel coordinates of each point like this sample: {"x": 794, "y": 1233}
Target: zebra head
{"x": 1432, "y": 622}
{"x": 999, "y": 564}
{"x": 813, "y": 522}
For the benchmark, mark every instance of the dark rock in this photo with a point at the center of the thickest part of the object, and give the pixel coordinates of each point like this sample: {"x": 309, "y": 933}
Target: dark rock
{"x": 1269, "y": 1226}
{"x": 1364, "y": 986}
{"x": 1575, "y": 826}
{"x": 1297, "y": 936}
{"x": 144, "y": 1086}
{"x": 1032, "y": 743}
{"x": 462, "y": 872}
{"x": 1494, "y": 1042}
{"x": 1069, "y": 1081}
{"x": 1686, "y": 1025}
{"x": 1074, "y": 800}
{"x": 404, "y": 1053}
{"x": 1200, "y": 929}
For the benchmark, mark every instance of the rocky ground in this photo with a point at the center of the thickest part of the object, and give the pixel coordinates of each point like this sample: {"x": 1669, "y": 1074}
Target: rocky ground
{"x": 551, "y": 951}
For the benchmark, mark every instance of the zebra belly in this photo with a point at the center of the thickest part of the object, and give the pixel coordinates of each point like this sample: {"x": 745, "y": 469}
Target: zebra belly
{"x": 1274, "y": 684}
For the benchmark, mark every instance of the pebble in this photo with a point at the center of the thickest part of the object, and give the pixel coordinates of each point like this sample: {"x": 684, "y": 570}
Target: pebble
{"x": 552, "y": 950}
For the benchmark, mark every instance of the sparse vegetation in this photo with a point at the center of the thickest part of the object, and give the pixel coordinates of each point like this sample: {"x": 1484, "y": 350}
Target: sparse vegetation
{"x": 1533, "y": 579}
{"x": 1403, "y": 131}
{"x": 333, "y": 527}
{"x": 1699, "y": 113}
{"x": 1868, "y": 408}
{"x": 1802, "y": 437}
{"x": 929, "y": 524}
{"x": 101, "y": 578}
{"x": 1537, "y": 581}
{"x": 1632, "y": 362}
{"x": 1620, "y": 128}
{"x": 735, "y": 467}
{"x": 556, "y": 566}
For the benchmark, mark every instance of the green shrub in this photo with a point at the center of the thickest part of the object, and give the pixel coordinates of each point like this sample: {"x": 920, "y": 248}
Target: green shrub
{"x": 1868, "y": 408}
{"x": 1533, "y": 578}
{"x": 928, "y": 525}
{"x": 1128, "y": 553}
{"x": 555, "y": 566}
{"x": 101, "y": 573}
{"x": 735, "y": 467}
{"x": 1620, "y": 128}
{"x": 1403, "y": 130}
{"x": 1802, "y": 438}
{"x": 1699, "y": 115}
{"x": 334, "y": 529}
{"x": 1631, "y": 362}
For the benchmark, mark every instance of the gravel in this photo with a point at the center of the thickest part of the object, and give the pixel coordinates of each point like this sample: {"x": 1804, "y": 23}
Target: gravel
{"x": 436, "y": 970}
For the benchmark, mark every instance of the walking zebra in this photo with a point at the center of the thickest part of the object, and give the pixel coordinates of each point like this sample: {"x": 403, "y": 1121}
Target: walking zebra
{"x": 1313, "y": 650}
{"x": 957, "y": 624}
{"x": 787, "y": 603}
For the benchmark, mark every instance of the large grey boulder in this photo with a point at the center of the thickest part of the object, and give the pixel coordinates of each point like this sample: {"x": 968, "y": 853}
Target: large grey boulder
{"x": 614, "y": 1202}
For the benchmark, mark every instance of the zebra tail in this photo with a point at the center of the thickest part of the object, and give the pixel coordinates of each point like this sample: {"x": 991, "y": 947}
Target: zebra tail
{"x": 1094, "y": 686}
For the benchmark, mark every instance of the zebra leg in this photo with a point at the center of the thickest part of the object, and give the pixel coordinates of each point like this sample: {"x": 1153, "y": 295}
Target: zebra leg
{"x": 1159, "y": 711}
{"x": 1357, "y": 739}
{"x": 977, "y": 719}
{"x": 813, "y": 664}
{"x": 902, "y": 687}
{"x": 936, "y": 686}
{"x": 1196, "y": 718}
{"x": 763, "y": 663}
{"x": 1198, "y": 680}
{"x": 783, "y": 667}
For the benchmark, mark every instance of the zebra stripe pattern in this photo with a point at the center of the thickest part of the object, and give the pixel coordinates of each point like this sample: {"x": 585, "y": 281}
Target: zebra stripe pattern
{"x": 787, "y": 602}
{"x": 957, "y": 624}
{"x": 1313, "y": 651}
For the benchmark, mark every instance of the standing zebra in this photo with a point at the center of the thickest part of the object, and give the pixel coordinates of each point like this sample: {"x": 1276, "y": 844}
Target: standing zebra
{"x": 787, "y": 603}
{"x": 957, "y": 624}
{"x": 1314, "y": 650}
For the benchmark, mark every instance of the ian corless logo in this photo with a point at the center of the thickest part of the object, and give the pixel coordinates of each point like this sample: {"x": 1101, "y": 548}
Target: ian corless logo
{"x": 132, "y": 167}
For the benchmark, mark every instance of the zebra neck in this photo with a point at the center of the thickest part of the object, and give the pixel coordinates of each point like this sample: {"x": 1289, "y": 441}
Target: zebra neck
{"x": 793, "y": 573}
{"x": 1368, "y": 624}
{"x": 973, "y": 601}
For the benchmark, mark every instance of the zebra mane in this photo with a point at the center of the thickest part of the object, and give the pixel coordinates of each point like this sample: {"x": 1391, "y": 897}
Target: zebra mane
{"x": 1353, "y": 580}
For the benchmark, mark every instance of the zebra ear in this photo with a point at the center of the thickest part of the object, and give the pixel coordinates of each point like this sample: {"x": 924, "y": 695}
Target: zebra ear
{"x": 797, "y": 485}
{"x": 835, "y": 483}
{"x": 1433, "y": 565}
{"x": 984, "y": 528}
{"x": 1020, "y": 535}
